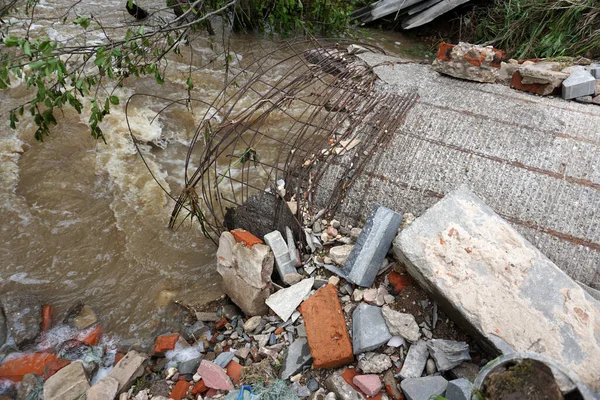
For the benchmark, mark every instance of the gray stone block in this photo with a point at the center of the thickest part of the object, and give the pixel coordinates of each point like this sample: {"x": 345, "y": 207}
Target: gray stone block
{"x": 222, "y": 359}
{"x": 190, "y": 366}
{"x": 23, "y": 312}
{"x": 298, "y": 356}
{"x": 424, "y": 388}
{"x": 580, "y": 83}
{"x": 372, "y": 246}
{"x": 369, "y": 330}
{"x": 415, "y": 361}
{"x": 283, "y": 261}
{"x": 595, "y": 70}
{"x": 499, "y": 287}
{"x": 459, "y": 389}
{"x": 343, "y": 391}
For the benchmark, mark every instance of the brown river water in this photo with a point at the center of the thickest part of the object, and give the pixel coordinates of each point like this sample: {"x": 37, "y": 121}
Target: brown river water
{"x": 84, "y": 221}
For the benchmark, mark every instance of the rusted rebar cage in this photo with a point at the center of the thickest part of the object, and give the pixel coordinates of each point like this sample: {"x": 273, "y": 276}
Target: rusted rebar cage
{"x": 322, "y": 109}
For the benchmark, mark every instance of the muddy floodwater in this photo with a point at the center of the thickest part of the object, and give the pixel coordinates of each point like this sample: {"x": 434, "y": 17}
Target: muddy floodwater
{"x": 83, "y": 221}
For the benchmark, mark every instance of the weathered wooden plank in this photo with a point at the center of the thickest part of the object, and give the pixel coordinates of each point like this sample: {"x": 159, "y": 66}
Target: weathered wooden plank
{"x": 431, "y": 13}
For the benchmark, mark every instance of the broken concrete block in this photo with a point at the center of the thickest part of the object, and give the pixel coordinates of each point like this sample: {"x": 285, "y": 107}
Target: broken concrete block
{"x": 545, "y": 74}
{"x": 492, "y": 281}
{"x": 326, "y": 332}
{"x": 374, "y": 363}
{"x": 128, "y": 369}
{"x": 415, "y": 361}
{"x": 372, "y": 246}
{"x": 298, "y": 356}
{"x": 285, "y": 301}
{"x": 342, "y": 389}
{"x": 595, "y": 70}
{"x": 340, "y": 254}
{"x": 459, "y": 389}
{"x": 246, "y": 273}
{"x": 369, "y": 330}
{"x": 400, "y": 324}
{"x": 105, "y": 388}
{"x": 424, "y": 388}
{"x": 70, "y": 382}
{"x": 468, "y": 61}
{"x": 23, "y": 313}
{"x": 448, "y": 354}
{"x": 580, "y": 83}
{"x": 283, "y": 261}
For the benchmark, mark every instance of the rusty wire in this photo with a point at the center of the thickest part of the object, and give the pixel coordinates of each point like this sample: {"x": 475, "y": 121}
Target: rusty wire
{"x": 322, "y": 111}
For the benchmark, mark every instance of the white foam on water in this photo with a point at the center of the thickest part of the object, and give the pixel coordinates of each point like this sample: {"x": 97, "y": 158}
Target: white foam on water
{"x": 182, "y": 353}
{"x": 21, "y": 277}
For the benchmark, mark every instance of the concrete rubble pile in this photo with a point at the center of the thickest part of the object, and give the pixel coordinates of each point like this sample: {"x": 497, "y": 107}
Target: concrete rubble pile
{"x": 577, "y": 80}
{"x": 459, "y": 288}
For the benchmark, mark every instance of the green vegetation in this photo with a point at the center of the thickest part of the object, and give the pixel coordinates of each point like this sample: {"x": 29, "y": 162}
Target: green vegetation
{"x": 542, "y": 28}
{"x": 62, "y": 74}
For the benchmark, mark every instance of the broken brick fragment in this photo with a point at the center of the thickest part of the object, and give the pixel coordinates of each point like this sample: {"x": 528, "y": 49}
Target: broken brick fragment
{"x": 221, "y": 323}
{"x": 199, "y": 388}
{"x": 243, "y": 236}
{"x": 55, "y": 366}
{"x": 180, "y": 390}
{"x": 475, "y": 58}
{"x": 92, "y": 338}
{"x": 165, "y": 343}
{"x": 445, "y": 51}
{"x": 46, "y": 318}
{"x": 20, "y": 365}
{"x": 328, "y": 339}
{"x": 516, "y": 83}
{"x": 278, "y": 331}
{"x": 399, "y": 282}
{"x": 234, "y": 371}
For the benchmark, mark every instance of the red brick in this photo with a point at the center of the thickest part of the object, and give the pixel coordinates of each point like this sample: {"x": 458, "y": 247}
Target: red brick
{"x": 180, "y": 390}
{"x": 92, "y": 338}
{"x": 348, "y": 376}
{"x": 243, "y": 236}
{"x": 15, "y": 368}
{"x": 221, "y": 323}
{"x": 55, "y": 366}
{"x": 516, "y": 83}
{"x": 165, "y": 343}
{"x": 394, "y": 394}
{"x": 278, "y": 331}
{"x": 199, "y": 388}
{"x": 399, "y": 282}
{"x": 46, "y": 318}
{"x": 475, "y": 58}
{"x": 326, "y": 332}
{"x": 118, "y": 357}
{"x": 234, "y": 371}
{"x": 497, "y": 60}
{"x": 211, "y": 393}
{"x": 445, "y": 51}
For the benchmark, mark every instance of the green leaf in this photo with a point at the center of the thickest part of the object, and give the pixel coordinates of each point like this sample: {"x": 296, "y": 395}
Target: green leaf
{"x": 49, "y": 117}
{"x": 84, "y": 22}
{"x": 159, "y": 78}
{"x": 114, "y": 100}
{"x": 27, "y": 48}
{"x": 190, "y": 83}
{"x": 11, "y": 41}
{"x": 13, "y": 119}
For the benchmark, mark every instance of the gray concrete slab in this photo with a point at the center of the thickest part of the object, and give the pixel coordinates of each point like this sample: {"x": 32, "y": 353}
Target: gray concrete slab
{"x": 495, "y": 283}
{"x": 534, "y": 160}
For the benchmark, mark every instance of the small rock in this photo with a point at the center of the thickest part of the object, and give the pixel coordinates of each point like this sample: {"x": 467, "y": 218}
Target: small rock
{"x": 355, "y": 233}
{"x": 222, "y": 359}
{"x": 335, "y": 223}
{"x": 252, "y": 323}
{"x": 357, "y": 295}
{"x": 374, "y": 363}
{"x": 424, "y": 388}
{"x": 465, "y": 370}
{"x": 368, "y": 384}
{"x": 334, "y": 280}
{"x": 312, "y": 385}
{"x": 389, "y": 299}
{"x": 459, "y": 389}
{"x": 584, "y": 99}
{"x": 85, "y": 319}
{"x": 391, "y": 386}
{"x": 300, "y": 390}
{"x": 430, "y": 367}
{"x": 31, "y": 387}
{"x": 400, "y": 324}
{"x": 370, "y": 295}
{"x": 332, "y": 232}
{"x": 447, "y": 353}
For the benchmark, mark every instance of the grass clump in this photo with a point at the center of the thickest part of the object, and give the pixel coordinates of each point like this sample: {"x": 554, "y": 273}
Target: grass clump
{"x": 542, "y": 28}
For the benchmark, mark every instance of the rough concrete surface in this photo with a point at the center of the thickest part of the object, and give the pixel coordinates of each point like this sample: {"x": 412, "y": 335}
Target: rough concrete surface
{"x": 534, "y": 160}
{"x": 494, "y": 282}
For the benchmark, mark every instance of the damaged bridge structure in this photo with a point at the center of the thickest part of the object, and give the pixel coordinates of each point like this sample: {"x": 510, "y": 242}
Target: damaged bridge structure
{"x": 356, "y": 128}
